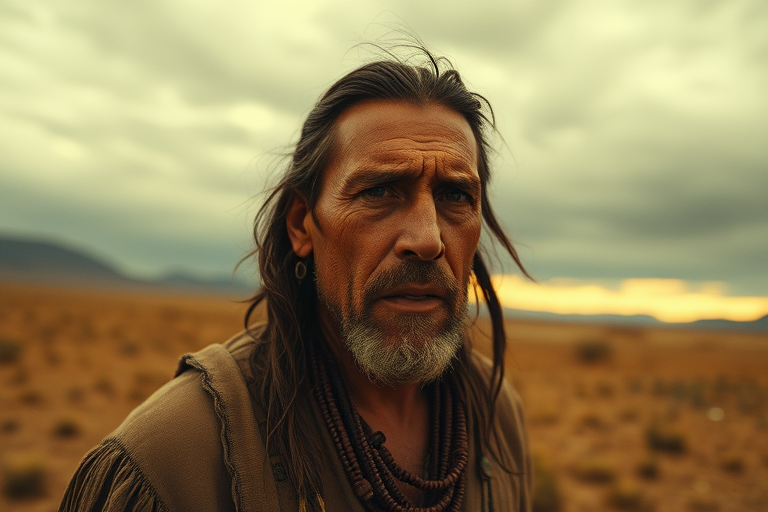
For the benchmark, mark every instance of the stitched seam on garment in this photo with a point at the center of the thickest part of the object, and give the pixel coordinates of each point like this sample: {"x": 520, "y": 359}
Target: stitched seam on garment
{"x": 226, "y": 430}
{"x": 115, "y": 443}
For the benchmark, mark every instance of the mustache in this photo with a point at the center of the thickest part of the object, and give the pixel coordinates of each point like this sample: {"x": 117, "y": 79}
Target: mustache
{"x": 413, "y": 272}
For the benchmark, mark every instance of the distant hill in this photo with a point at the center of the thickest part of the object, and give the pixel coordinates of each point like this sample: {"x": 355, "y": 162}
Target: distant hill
{"x": 40, "y": 262}
{"x": 598, "y": 319}
{"x": 760, "y": 325}
{"x": 49, "y": 263}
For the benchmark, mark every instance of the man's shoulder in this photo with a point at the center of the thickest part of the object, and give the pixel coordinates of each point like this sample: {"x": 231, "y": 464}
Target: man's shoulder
{"x": 176, "y": 437}
{"x": 187, "y": 396}
{"x": 170, "y": 407}
{"x": 175, "y": 429}
{"x": 239, "y": 347}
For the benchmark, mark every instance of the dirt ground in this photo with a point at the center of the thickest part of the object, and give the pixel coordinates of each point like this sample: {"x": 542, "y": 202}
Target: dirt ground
{"x": 619, "y": 418}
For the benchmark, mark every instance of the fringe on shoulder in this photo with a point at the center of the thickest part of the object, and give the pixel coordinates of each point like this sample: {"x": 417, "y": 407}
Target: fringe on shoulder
{"x": 109, "y": 480}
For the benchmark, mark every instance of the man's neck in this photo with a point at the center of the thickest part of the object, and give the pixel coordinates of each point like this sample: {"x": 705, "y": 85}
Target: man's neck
{"x": 400, "y": 412}
{"x": 397, "y": 403}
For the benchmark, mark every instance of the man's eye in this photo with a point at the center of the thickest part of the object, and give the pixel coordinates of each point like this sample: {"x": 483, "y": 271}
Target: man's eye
{"x": 456, "y": 196}
{"x": 375, "y": 192}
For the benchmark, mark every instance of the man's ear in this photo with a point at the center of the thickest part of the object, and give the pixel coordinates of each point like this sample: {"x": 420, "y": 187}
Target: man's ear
{"x": 297, "y": 222}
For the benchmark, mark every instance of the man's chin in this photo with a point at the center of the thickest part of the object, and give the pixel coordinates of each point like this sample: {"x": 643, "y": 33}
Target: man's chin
{"x": 406, "y": 357}
{"x": 416, "y": 339}
{"x": 407, "y": 375}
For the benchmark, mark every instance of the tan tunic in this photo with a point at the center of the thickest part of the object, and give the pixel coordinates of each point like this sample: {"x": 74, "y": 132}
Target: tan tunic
{"x": 196, "y": 445}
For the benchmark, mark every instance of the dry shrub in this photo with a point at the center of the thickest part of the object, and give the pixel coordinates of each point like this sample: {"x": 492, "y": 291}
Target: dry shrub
{"x": 732, "y": 463}
{"x": 10, "y": 351}
{"x": 87, "y": 330}
{"x": 664, "y": 439}
{"x": 627, "y": 495}
{"x": 750, "y": 399}
{"x": 546, "y": 491}
{"x": 697, "y": 395}
{"x": 629, "y": 414}
{"x": 9, "y": 425}
{"x": 52, "y": 357}
{"x": 66, "y": 428}
{"x": 128, "y": 348}
{"x": 544, "y": 417}
{"x": 659, "y": 387}
{"x": 672, "y": 412}
{"x": 104, "y": 385}
{"x": 46, "y": 334}
{"x": 634, "y": 385}
{"x": 20, "y": 376}
{"x": 594, "y": 470}
{"x": 703, "y": 504}
{"x": 116, "y": 332}
{"x": 25, "y": 478}
{"x": 648, "y": 469}
{"x": 84, "y": 362}
{"x": 579, "y": 389}
{"x": 679, "y": 390}
{"x": 171, "y": 314}
{"x": 592, "y": 420}
{"x": 31, "y": 397}
{"x": 593, "y": 351}
{"x": 605, "y": 389}
{"x": 75, "y": 394}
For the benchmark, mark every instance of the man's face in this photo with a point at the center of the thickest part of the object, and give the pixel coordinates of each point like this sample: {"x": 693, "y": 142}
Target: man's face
{"x": 398, "y": 223}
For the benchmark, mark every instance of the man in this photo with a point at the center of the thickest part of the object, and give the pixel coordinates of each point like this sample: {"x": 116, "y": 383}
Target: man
{"x": 360, "y": 391}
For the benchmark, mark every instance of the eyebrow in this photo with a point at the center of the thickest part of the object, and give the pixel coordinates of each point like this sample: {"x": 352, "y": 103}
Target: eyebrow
{"x": 367, "y": 178}
{"x": 466, "y": 183}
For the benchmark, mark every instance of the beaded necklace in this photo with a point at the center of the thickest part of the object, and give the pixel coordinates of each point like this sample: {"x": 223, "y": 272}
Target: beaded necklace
{"x": 370, "y": 468}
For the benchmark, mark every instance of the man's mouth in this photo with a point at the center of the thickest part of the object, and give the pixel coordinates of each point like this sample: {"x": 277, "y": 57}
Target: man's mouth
{"x": 414, "y": 299}
{"x": 413, "y": 303}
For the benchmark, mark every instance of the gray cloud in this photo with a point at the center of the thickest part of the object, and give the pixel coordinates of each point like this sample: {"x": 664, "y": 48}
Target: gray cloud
{"x": 636, "y": 132}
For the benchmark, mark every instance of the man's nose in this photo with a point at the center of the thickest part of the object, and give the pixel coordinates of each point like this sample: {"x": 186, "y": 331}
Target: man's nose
{"x": 420, "y": 233}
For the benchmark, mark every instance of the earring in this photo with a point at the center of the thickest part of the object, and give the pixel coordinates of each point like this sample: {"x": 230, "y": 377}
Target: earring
{"x": 300, "y": 270}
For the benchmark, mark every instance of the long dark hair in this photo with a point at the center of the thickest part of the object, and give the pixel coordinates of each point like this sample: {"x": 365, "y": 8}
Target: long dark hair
{"x": 291, "y": 304}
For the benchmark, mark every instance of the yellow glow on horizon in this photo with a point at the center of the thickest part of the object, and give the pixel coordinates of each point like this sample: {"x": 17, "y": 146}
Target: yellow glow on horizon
{"x": 669, "y": 300}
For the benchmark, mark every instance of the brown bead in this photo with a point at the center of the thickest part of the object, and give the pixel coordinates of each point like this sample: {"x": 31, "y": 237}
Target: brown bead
{"x": 361, "y": 450}
{"x": 363, "y": 489}
{"x": 378, "y": 439}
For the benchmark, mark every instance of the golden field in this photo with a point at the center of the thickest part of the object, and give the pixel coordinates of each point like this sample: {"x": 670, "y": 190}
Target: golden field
{"x": 619, "y": 418}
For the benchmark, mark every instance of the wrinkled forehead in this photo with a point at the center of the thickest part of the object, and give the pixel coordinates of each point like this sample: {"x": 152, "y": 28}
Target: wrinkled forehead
{"x": 374, "y": 131}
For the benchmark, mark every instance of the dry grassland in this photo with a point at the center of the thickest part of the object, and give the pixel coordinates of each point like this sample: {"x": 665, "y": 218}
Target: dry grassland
{"x": 619, "y": 418}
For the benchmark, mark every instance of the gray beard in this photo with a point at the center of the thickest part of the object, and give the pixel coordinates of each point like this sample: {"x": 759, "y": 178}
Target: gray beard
{"x": 423, "y": 350}
{"x": 414, "y": 359}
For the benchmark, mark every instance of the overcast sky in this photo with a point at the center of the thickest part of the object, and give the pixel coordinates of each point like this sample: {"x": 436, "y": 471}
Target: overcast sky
{"x": 637, "y": 132}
